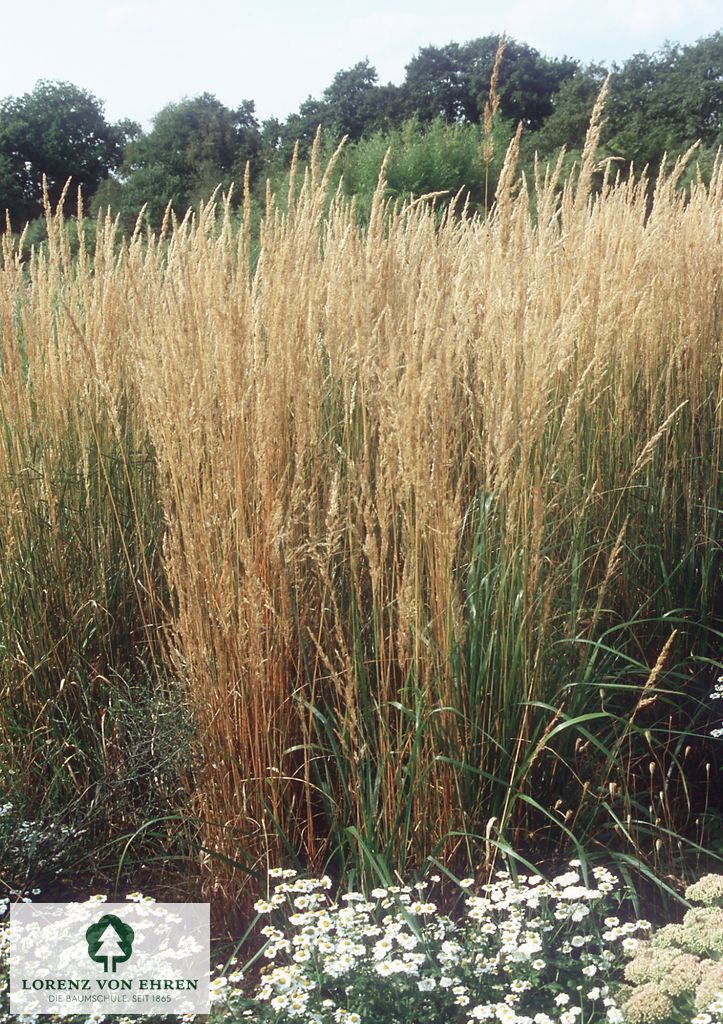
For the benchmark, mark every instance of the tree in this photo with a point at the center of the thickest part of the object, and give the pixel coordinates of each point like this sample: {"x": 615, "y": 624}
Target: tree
{"x": 350, "y": 99}
{"x": 571, "y": 109}
{"x": 301, "y": 127}
{"x": 663, "y": 102}
{"x": 453, "y": 81}
{"x": 528, "y": 82}
{"x": 699, "y": 75}
{"x": 356, "y": 105}
{"x": 59, "y": 131}
{"x": 433, "y": 85}
{"x": 193, "y": 146}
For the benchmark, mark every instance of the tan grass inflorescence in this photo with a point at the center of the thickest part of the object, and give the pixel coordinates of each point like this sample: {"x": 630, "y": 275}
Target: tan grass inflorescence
{"x": 400, "y": 466}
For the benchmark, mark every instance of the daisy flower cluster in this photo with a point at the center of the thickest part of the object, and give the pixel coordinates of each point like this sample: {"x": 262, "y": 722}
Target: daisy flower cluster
{"x": 524, "y": 951}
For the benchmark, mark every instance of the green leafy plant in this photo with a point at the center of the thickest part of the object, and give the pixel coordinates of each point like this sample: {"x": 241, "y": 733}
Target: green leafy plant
{"x": 677, "y": 976}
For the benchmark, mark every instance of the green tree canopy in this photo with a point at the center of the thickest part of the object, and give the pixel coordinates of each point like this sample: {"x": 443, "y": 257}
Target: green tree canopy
{"x": 357, "y": 105}
{"x": 60, "y": 131}
{"x": 453, "y": 82}
{"x": 433, "y": 84}
{"x": 571, "y": 108}
{"x": 354, "y": 104}
{"x": 300, "y": 127}
{"x": 193, "y": 146}
{"x": 663, "y": 102}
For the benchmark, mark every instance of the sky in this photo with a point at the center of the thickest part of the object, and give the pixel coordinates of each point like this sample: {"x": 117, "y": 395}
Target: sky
{"x": 138, "y": 55}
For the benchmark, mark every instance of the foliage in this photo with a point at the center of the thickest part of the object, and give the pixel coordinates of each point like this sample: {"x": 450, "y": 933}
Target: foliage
{"x": 356, "y": 105}
{"x": 421, "y": 160}
{"x": 664, "y": 102}
{"x": 567, "y": 123}
{"x": 193, "y": 146}
{"x": 57, "y": 131}
{"x": 658, "y": 104}
{"x": 299, "y": 129}
{"x": 678, "y": 976}
{"x": 449, "y": 83}
{"x": 452, "y": 82}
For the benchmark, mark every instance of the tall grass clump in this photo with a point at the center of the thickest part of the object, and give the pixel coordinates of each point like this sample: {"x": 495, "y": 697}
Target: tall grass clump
{"x": 442, "y": 515}
{"x": 439, "y": 512}
{"x": 81, "y": 595}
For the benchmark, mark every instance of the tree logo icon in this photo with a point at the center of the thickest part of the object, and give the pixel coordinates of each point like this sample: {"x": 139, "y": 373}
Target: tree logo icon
{"x": 110, "y": 942}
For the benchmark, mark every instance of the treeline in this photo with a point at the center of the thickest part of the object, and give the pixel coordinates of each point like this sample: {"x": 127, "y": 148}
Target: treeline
{"x": 658, "y": 103}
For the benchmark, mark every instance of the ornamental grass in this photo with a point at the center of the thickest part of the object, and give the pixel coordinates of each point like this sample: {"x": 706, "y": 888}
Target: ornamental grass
{"x": 416, "y": 519}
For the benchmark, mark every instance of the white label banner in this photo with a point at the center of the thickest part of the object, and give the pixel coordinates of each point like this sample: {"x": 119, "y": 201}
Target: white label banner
{"x": 139, "y": 957}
